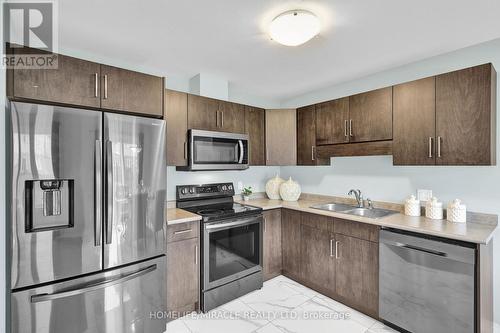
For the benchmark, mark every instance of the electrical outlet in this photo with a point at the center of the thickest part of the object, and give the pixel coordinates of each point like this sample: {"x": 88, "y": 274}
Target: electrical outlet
{"x": 240, "y": 186}
{"x": 424, "y": 195}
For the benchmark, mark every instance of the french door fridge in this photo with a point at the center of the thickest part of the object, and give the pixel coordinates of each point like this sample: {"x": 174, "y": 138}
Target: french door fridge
{"x": 87, "y": 227}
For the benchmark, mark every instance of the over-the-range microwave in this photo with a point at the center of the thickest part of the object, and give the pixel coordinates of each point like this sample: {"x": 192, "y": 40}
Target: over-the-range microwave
{"x": 209, "y": 150}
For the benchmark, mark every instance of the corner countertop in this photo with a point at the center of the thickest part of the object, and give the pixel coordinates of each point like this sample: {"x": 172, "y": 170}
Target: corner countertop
{"x": 473, "y": 231}
{"x": 176, "y": 215}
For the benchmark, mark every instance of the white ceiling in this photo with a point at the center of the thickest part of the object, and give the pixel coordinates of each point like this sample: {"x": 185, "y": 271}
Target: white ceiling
{"x": 227, "y": 38}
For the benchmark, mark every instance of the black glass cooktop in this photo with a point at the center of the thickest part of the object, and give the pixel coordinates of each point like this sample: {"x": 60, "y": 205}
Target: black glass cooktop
{"x": 223, "y": 211}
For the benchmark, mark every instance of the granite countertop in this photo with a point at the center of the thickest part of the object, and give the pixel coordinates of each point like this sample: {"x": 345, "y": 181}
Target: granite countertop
{"x": 176, "y": 215}
{"x": 474, "y": 232}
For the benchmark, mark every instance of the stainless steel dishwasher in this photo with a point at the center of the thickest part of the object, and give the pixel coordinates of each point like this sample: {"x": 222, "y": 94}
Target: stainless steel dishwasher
{"x": 426, "y": 284}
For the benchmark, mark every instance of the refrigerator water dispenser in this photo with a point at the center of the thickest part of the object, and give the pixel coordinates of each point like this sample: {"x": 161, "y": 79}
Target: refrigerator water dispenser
{"x": 49, "y": 204}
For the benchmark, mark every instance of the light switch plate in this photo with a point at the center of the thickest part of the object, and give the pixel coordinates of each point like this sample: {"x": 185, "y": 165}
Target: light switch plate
{"x": 424, "y": 195}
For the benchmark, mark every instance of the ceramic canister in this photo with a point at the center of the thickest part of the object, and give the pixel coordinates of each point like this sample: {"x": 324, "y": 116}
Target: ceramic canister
{"x": 412, "y": 206}
{"x": 434, "y": 209}
{"x": 273, "y": 188}
{"x": 290, "y": 190}
{"x": 456, "y": 212}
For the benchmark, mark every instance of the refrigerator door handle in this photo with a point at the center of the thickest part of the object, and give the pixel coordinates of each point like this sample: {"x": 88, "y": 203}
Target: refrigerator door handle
{"x": 97, "y": 194}
{"x": 91, "y": 286}
{"x": 109, "y": 191}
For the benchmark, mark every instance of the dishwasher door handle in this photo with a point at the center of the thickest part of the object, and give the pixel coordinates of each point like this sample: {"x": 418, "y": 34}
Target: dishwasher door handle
{"x": 417, "y": 248}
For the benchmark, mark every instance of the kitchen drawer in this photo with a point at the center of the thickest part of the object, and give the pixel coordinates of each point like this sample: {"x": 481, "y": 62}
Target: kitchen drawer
{"x": 356, "y": 229}
{"x": 321, "y": 222}
{"x": 181, "y": 231}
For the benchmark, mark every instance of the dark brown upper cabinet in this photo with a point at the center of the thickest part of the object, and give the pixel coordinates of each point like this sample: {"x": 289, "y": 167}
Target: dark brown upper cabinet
{"x": 255, "y": 127}
{"x": 203, "y": 113}
{"x": 370, "y": 116}
{"x": 214, "y": 115}
{"x": 176, "y": 114}
{"x": 74, "y": 82}
{"x": 232, "y": 117}
{"x": 466, "y": 117}
{"x": 306, "y": 137}
{"x": 130, "y": 91}
{"x": 414, "y": 122}
{"x": 332, "y": 122}
{"x": 81, "y": 83}
{"x": 446, "y": 120}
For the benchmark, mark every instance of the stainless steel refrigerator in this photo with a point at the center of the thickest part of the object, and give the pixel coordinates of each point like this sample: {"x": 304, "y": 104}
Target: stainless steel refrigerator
{"x": 87, "y": 221}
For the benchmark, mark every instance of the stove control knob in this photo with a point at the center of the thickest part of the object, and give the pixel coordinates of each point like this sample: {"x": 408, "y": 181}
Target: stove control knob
{"x": 184, "y": 190}
{"x": 230, "y": 187}
{"x": 224, "y": 188}
{"x": 191, "y": 190}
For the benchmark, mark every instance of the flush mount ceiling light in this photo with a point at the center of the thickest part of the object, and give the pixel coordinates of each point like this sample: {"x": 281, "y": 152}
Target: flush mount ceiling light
{"x": 294, "y": 27}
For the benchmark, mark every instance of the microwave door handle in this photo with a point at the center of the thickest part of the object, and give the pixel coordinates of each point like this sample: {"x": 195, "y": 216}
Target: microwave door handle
{"x": 240, "y": 142}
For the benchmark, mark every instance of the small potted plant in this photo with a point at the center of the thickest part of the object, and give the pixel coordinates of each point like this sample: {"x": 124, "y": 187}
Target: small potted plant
{"x": 247, "y": 192}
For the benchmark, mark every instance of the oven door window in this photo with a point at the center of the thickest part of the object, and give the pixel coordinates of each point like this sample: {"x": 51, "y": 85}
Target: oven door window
{"x": 233, "y": 251}
{"x": 215, "y": 150}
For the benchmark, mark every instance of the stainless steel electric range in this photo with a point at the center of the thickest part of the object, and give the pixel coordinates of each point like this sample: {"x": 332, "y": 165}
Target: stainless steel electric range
{"x": 231, "y": 242}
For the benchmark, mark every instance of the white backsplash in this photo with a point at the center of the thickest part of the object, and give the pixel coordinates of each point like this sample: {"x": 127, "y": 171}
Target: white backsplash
{"x": 254, "y": 176}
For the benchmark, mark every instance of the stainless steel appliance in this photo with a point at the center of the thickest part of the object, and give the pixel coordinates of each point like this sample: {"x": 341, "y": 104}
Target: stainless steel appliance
{"x": 231, "y": 242}
{"x": 209, "y": 150}
{"x": 426, "y": 283}
{"x": 87, "y": 228}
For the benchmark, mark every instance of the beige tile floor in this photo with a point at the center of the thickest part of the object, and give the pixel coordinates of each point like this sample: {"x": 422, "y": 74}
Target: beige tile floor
{"x": 281, "y": 306}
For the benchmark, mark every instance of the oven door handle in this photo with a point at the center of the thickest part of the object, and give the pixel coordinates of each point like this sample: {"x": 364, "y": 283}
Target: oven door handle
{"x": 240, "y": 142}
{"x": 238, "y": 223}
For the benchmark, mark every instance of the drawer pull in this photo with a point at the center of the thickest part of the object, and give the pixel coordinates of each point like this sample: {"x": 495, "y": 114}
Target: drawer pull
{"x": 180, "y": 232}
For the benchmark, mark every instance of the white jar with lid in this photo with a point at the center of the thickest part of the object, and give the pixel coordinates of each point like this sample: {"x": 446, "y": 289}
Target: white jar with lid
{"x": 456, "y": 211}
{"x": 434, "y": 209}
{"x": 412, "y": 206}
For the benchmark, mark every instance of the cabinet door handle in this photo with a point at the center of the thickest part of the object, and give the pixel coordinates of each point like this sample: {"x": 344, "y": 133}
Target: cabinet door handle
{"x": 96, "y": 85}
{"x": 350, "y": 127}
{"x": 331, "y": 247}
{"x": 439, "y": 146}
{"x": 180, "y": 232}
{"x": 222, "y": 119}
{"x": 217, "y": 119}
{"x": 345, "y": 130}
{"x": 185, "y": 150}
{"x": 337, "y": 256}
{"x": 265, "y": 220}
{"x": 430, "y": 147}
{"x": 105, "y": 86}
{"x": 312, "y": 153}
{"x": 196, "y": 254}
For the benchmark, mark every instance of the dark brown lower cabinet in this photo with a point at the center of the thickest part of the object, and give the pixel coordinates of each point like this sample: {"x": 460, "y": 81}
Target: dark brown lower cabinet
{"x": 336, "y": 257}
{"x": 183, "y": 276}
{"x": 290, "y": 238}
{"x": 272, "y": 244}
{"x": 356, "y": 273}
{"x": 317, "y": 258}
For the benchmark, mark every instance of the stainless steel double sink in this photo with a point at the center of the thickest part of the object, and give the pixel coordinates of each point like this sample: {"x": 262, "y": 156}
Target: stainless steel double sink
{"x": 373, "y": 213}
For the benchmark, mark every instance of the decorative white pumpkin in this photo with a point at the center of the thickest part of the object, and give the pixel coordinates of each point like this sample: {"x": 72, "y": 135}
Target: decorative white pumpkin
{"x": 273, "y": 187}
{"x": 290, "y": 190}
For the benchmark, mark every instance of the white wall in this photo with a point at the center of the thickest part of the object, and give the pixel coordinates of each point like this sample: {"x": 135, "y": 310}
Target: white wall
{"x": 479, "y": 187}
{"x": 253, "y": 176}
